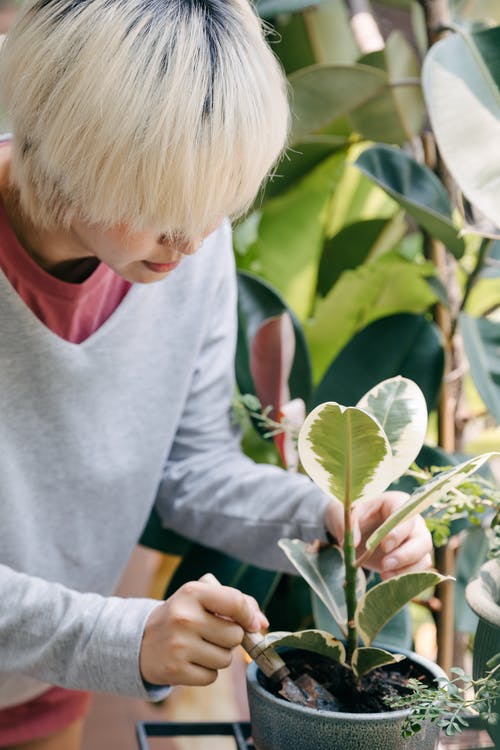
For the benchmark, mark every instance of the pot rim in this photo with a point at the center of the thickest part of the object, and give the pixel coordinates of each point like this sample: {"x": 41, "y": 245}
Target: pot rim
{"x": 379, "y": 716}
{"x": 480, "y": 593}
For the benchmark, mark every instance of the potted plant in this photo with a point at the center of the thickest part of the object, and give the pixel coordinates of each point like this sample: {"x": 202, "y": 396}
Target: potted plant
{"x": 483, "y": 597}
{"x": 353, "y": 454}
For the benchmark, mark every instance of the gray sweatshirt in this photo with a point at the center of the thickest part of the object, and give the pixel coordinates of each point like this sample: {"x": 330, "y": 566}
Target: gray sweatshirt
{"x": 91, "y": 436}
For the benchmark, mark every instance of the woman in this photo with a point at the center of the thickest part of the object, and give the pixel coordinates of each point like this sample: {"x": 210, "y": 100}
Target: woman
{"x": 137, "y": 125}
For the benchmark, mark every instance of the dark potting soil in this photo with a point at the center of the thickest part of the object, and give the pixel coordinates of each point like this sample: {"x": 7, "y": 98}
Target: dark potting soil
{"x": 368, "y": 697}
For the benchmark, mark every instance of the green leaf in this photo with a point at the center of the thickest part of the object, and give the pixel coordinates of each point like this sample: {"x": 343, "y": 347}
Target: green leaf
{"x": 382, "y": 602}
{"x": 257, "y": 302}
{"x": 345, "y": 452}
{"x": 397, "y": 114}
{"x": 324, "y": 571}
{"x": 481, "y": 339}
{"x": 355, "y": 244}
{"x": 364, "y": 659}
{"x": 416, "y": 189}
{"x": 407, "y": 345}
{"x": 316, "y": 641}
{"x": 323, "y": 93}
{"x": 374, "y": 290}
{"x": 399, "y": 406}
{"x": 289, "y": 237}
{"x": 461, "y": 78}
{"x": 426, "y": 495}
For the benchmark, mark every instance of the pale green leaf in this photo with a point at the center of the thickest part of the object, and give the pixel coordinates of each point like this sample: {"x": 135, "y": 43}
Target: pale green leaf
{"x": 317, "y": 641}
{"x": 345, "y": 452}
{"x": 288, "y": 240}
{"x": 387, "y": 286}
{"x": 382, "y": 602}
{"x": 397, "y": 113}
{"x": 430, "y": 492}
{"x": 399, "y": 406}
{"x": 461, "y": 78}
{"x": 324, "y": 571}
{"x": 364, "y": 659}
{"x": 323, "y": 93}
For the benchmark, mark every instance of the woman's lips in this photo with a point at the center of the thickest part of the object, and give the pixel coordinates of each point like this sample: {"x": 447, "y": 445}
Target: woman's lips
{"x": 161, "y": 267}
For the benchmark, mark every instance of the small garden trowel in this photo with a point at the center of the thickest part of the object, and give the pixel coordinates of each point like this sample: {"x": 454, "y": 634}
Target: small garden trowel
{"x": 305, "y": 690}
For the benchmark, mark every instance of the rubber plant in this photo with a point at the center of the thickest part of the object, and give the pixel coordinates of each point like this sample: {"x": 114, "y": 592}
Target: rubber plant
{"x": 353, "y": 454}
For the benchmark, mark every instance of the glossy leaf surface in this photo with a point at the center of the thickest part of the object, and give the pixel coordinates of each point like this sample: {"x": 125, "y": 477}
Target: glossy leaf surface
{"x": 258, "y": 302}
{"x": 416, "y": 189}
{"x": 481, "y": 339}
{"x": 408, "y": 345}
{"x": 461, "y": 80}
{"x": 374, "y": 290}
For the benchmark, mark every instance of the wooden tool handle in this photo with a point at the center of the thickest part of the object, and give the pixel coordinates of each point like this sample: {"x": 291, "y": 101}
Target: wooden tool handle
{"x": 269, "y": 662}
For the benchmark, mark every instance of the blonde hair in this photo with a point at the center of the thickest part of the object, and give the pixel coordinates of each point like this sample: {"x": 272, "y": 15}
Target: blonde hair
{"x": 162, "y": 114}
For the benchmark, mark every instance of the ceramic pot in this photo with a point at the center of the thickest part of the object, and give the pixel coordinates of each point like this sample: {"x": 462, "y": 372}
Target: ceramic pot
{"x": 483, "y": 597}
{"x": 279, "y": 725}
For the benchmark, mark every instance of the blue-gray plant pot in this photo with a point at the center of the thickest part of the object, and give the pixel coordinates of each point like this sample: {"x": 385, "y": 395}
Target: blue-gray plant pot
{"x": 483, "y": 597}
{"x": 280, "y": 725}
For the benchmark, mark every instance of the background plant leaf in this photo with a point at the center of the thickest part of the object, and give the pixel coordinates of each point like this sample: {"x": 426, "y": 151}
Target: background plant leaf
{"x": 481, "y": 339}
{"x": 404, "y": 344}
{"x": 385, "y": 287}
{"x": 257, "y": 302}
{"x": 416, "y": 188}
{"x": 461, "y": 79}
{"x": 323, "y": 93}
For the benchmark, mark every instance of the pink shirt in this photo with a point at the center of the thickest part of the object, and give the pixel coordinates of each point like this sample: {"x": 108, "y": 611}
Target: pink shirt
{"x": 72, "y": 311}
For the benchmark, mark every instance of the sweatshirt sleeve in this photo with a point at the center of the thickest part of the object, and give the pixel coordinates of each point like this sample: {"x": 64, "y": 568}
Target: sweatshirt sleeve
{"x": 210, "y": 491}
{"x": 80, "y": 641}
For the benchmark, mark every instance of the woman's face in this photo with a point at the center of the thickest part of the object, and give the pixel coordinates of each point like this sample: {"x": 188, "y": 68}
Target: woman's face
{"x": 141, "y": 257}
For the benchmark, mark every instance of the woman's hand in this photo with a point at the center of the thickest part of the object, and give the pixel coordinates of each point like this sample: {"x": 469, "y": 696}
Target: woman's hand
{"x": 191, "y": 635}
{"x": 406, "y": 549}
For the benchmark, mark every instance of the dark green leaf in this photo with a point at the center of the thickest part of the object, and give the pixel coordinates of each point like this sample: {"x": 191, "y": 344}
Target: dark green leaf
{"x": 407, "y": 345}
{"x": 416, "y": 189}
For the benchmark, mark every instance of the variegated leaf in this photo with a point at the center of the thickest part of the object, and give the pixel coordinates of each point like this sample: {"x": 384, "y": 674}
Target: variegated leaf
{"x": 324, "y": 571}
{"x": 317, "y": 641}
{"x": 428, "y": 494}
{"x": 382, "y": 602}
{"x": 366, "y": 658}
{"x": 345, "y": 452}
{"x": 399, "y": 407}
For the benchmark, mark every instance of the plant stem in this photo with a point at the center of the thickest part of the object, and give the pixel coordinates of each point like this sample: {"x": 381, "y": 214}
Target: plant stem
{"x": 350, "y": 582}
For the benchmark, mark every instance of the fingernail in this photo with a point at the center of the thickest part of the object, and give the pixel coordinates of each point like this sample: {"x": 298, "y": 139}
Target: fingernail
{"x": 390, "y": 545}
{"x": 356, "y": 535}
{"x": 264, "y": 621}
{"x": 255, "y": 625}
{"x": 390, "y": 563}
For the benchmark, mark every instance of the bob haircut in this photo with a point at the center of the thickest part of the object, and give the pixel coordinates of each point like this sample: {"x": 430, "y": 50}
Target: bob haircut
{"x": 160, "y": 114}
